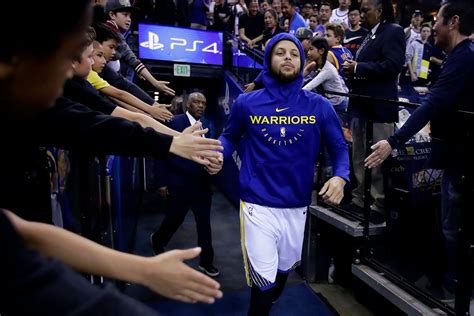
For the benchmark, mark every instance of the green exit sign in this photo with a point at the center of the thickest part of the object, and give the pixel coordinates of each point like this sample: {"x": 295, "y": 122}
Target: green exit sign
{"x": 182, "y": 70}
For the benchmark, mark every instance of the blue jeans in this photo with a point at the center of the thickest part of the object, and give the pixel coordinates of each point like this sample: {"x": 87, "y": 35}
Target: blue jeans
{"x": 451, "y": 196}
{"x": 451, "y": 207}
{"x": 342, "y": 107}
{"x": 341, "y": 110}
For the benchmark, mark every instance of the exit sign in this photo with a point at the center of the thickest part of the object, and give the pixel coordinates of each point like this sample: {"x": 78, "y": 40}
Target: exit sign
{"x": 182, "y": 70}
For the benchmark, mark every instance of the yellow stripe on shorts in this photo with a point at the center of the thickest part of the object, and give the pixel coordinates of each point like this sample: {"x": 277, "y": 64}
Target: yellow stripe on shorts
{"x": 242, "y": 243}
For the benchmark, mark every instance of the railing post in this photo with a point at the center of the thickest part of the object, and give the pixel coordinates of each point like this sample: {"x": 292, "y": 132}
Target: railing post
{"x": 369, "y": 131}
{"x": 465, "y": 248}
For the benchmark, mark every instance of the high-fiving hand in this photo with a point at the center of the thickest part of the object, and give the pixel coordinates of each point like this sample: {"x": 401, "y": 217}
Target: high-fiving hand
{"x": 176, "y": 280}
{"x": 381, "y": 150}
{"x": 215, "y": 164}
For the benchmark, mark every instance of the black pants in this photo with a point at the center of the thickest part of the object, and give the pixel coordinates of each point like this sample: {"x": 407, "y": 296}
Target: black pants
{"x": 262, "y": 301}
{"x": 179, "y": 203}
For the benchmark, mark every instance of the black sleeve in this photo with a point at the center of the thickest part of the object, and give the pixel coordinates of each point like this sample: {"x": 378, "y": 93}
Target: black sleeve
{"x": 71, "y": 125}
{"x": 243, "y": 22}
{"x": 390, "y": 61}
{"x": 29, "y": 280}
{"x": 117, "y": 80}
{"x": 86, "y": 94}
{"x": 439, "y": 102}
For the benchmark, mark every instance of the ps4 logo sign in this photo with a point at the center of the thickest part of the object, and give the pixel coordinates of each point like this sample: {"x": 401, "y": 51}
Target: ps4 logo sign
{"x": 153, "y": 43}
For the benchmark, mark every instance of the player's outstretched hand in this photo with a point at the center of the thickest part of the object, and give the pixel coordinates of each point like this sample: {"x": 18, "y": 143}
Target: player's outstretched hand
{"x": 215, "y": 164}
{"x": 333, "y": 190}
{"x": 169, "y": 276}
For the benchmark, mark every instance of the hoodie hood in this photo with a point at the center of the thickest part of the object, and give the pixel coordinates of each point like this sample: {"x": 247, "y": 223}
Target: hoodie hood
{"x": 276, "y": 87}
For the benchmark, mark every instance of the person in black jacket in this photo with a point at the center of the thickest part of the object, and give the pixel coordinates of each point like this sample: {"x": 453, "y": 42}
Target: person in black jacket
{"x": 186, "y": 185}
{"x": 449, "y": 108}
{"x": 374, "y": 72}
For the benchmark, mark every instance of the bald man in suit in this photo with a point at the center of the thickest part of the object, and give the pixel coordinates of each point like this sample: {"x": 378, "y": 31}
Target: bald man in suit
{"x": 186, "y": 185}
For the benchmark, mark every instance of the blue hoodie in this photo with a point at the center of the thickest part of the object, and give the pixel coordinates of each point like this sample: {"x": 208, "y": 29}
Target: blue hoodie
{"x": 278, "y": 130}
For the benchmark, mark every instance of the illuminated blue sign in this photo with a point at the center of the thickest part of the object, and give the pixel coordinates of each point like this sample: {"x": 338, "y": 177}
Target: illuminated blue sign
{"x": 242, "y": 60}
{"x": 179, "y": 45}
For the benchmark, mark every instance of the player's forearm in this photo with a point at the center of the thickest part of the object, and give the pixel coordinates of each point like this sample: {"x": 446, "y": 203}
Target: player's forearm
{"x": 80, "y": 253}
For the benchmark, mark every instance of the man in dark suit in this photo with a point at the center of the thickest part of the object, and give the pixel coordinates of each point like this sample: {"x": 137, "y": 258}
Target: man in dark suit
{"x": 186, "y": 185}
{"x": 374, "y": 72}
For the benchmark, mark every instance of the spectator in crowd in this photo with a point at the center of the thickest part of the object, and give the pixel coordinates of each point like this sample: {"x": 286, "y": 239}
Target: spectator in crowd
{"x": 317, "y": 29}
{"x": 271, "y": 26}
{"x": 418, "y": 56}
{"x": 412, "y": 32}
{"x": 252, "y": 25}
{"x": 158, "y": 111}
{"x": 337, "y": 54}
{"x": 451, "y": 129}
{"x": 355, "y": 34}
{"x": 328, "y": 77}
{"x": 223, "y": 16}
{"x": 340, "y": 15}
{"x": 307, "y": 12}
{"x": 374, "y": 72}
{"x": 198, "y": 16}
{"x": 109, "y": 39}
{"x": 286, "y": 25}
{"x": 295, "y": 20}
{"x": 78, "y": 89}
{"x": 276, "y": 4}
{"x": 119, "y": 14}
{"x": 264, "y": 6}
{"x": 324, "y": 13}
{"x": 240, "y": 9}
{"x": 304, "y": 35}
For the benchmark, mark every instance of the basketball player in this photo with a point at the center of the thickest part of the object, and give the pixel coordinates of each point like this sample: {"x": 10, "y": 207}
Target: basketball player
{"x": 279, "y": 130}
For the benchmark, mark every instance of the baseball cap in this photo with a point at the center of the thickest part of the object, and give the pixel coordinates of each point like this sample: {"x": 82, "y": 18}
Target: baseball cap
{"x": 417, "y": 12}
{"x": 119, "y": 6}
{"x": 303, "y": 33}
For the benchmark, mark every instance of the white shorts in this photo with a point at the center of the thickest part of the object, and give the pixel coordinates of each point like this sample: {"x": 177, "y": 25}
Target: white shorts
{"x": 272, "y": 241}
